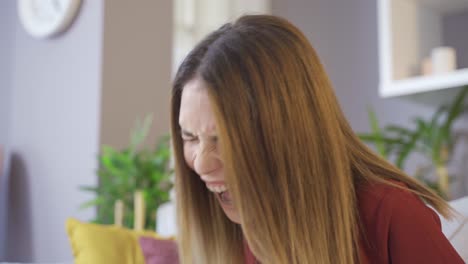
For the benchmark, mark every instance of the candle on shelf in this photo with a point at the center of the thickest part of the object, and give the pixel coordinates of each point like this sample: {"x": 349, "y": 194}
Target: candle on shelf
{"x": 443, "y": 60}
{"x": 118, "y": 213}
{"x": 139, "y": 204}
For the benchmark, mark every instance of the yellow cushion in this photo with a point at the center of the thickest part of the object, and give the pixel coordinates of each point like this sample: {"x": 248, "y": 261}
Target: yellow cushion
{"x": 93, "y": 243}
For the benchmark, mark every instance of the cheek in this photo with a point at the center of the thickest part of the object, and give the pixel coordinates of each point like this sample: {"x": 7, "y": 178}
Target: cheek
{"x": 189, "y": 154}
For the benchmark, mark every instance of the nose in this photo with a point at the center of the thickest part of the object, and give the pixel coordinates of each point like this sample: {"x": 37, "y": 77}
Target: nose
{"x": 207, "y": 160}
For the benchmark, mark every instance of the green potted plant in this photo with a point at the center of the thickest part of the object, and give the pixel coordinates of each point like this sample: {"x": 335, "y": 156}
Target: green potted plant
{"x": 135, "y": 169}
{"x": 432, "y": 138}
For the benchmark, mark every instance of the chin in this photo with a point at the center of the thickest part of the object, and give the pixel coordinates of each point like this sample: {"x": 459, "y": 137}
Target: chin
{"x": 230, "y": 211}
{"x": 232, "y": 215}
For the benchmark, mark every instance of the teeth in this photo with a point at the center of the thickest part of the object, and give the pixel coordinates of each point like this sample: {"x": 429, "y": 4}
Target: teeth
{"x": 217, "y": 189}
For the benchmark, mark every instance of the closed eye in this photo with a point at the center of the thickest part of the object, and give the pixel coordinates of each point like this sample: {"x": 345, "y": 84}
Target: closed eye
{"x": 192, "y": 139}
{"x": 187, "y": 136}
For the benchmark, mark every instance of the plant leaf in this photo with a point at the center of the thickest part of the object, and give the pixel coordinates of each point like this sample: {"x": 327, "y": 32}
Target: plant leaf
{"x": 89, "y": 188}
{"x": 379, "y": 143}
{"x": 407, "y": 148}
{"x": 140, "y": 132}
{"x": 94, "y": 202}
{"x": 454, "y": 111}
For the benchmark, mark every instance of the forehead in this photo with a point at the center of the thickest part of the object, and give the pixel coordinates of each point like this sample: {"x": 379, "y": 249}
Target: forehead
{"x": 196, "y": 114}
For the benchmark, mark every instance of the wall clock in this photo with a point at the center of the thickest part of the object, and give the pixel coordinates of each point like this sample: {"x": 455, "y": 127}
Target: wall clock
{"x": 46, "y": 18}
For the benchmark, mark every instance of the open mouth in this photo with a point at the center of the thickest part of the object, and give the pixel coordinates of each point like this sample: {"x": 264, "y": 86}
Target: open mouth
{"x": 222, "y": 193}
{"x": 225, "y": 197}
{"x": 217, "y": 188}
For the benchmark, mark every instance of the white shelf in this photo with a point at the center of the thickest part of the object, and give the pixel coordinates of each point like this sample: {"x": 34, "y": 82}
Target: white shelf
{"x": 428, "y": 90}
{"x": 408, "y": 31}
{"x": 425, "y": 84}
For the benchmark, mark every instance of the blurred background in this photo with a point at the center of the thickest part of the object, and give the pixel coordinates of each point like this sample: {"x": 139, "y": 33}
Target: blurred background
{"x": 64, "y": 96}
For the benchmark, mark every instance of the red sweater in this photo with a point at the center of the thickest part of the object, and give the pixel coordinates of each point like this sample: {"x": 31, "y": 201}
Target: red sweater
{"x": 399, "y": 229}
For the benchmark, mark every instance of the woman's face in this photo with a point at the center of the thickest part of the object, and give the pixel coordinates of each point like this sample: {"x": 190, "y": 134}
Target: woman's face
{"x": 201, "y": 151}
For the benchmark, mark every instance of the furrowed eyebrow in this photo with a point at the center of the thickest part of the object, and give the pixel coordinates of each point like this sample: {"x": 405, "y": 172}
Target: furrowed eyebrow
{"x": 187, "y": 133}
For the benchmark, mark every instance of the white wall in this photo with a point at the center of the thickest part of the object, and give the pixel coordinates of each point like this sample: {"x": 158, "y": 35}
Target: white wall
{"x": 54, "y": 133}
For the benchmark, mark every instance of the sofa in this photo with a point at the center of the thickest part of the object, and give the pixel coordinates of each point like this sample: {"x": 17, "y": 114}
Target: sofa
{"x": 457, "y": 230}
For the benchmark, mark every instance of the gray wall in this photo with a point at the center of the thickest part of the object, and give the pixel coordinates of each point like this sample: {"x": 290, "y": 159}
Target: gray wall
{"x": 6, "y": 45}
{"x": 453, "y": 25}
{"x": 54, "y": 133}
{"x": 7, "y": 15}
{"x": 344, "y": 34}
{"x": 69, "y": 95}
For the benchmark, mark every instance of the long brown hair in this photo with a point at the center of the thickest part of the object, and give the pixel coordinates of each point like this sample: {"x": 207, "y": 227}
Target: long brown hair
{"x": 292, "y": 163}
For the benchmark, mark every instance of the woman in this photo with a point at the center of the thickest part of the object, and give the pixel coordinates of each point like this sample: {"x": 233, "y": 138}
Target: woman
{"x": 269, "y": 171}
